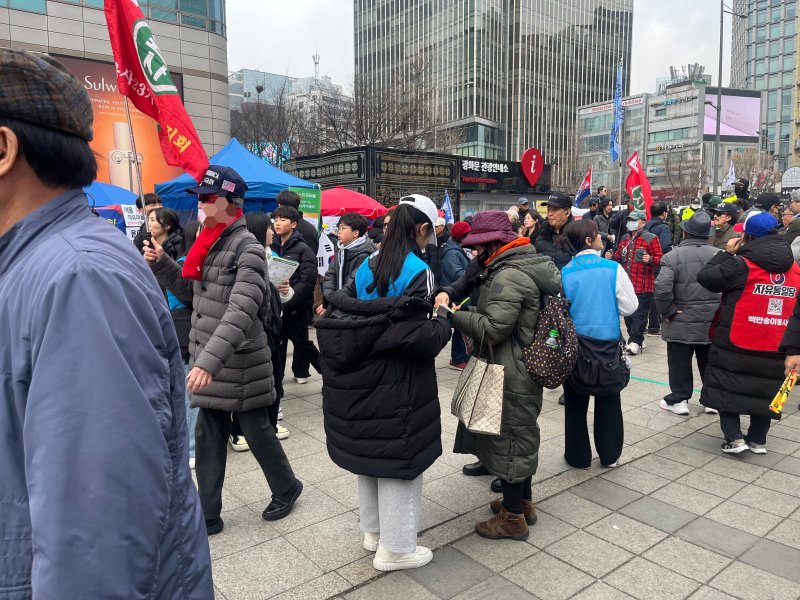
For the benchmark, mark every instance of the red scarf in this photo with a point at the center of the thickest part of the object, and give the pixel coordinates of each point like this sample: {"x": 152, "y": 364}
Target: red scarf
{"x": 523, "y": 241}
{"x": 193, "y": 266}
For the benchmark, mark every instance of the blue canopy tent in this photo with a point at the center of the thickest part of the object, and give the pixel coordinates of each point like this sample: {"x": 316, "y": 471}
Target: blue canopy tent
{"x": 264, "y": 182}
{"x": 108, "y": 201}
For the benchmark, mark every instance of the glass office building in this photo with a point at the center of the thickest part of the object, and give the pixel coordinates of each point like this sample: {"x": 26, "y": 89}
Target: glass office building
{"x": 505, "y": 74}
{"x": 764, "y": 58}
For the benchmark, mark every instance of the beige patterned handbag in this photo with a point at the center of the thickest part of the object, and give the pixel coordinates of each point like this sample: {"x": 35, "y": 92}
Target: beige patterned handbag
{"x": 478, "y": 398}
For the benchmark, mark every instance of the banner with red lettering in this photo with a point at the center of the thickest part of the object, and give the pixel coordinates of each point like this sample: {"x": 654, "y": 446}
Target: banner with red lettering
{"x": 637, "y": 185}
{"x": 144, "y": 77}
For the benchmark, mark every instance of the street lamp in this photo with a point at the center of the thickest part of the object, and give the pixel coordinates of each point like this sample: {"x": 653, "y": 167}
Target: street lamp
{"x": 722, "y": 10}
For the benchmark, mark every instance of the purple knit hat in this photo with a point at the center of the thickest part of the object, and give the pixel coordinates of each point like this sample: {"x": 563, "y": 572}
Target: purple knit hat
{"x": 490, "y": 226}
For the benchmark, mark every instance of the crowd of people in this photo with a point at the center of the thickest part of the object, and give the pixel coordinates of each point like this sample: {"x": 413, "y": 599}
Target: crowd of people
{"x": 175, "y": 346}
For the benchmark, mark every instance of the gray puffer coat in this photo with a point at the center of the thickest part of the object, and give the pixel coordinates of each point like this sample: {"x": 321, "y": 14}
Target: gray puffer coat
{"x": 227, "y": 338}
{"x": 677, "y": 290}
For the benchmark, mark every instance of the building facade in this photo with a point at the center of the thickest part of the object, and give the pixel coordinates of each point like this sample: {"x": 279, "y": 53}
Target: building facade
{"x": 250, "y": 85}
{"x": 191, "y": 35}
{"x": 503, "y": 75}
{"x": 764, "y": 58}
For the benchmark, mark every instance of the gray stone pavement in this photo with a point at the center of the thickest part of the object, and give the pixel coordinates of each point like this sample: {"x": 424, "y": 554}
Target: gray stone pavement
{"x": 678, "y": 519}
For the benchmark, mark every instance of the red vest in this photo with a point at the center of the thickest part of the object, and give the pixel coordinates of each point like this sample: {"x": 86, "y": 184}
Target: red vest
{"x": 762, "y": 313}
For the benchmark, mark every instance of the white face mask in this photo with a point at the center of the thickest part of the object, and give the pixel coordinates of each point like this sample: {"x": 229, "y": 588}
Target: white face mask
{"x": 632, "y": 226}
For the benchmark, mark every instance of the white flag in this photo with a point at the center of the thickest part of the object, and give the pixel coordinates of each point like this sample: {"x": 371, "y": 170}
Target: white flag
{"x": 731, "y": 180}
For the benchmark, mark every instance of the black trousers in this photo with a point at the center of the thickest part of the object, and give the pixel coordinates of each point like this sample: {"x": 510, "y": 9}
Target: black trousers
{"x": 294, "y": 328}
{"x": 732, "y": 428}
{"x": 211, "y": 453}
{"x": 515, "y": 493}
{"x": 609, "y": 432}
{"x": 637, "y": 321}
{"x": 679, "y": 365}
{"x": 654, "y": 319}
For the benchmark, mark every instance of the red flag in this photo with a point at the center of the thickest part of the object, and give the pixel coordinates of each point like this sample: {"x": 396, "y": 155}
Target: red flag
{"x": 143, "y": 77}
{"x": 638, "y": 186}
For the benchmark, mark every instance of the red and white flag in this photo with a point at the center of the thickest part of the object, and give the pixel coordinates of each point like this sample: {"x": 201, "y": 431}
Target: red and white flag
{"x": 144, "y": 77}
{"x": 638, "y": 186}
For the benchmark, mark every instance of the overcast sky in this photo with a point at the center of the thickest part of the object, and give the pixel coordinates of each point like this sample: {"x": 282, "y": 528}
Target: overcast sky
{"x": 281, "y": 37}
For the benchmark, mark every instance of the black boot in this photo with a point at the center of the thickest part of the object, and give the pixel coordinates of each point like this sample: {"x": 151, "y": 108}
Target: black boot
{"x": 214, "y": 526}
{"x": 282, "y": 505}
{"x": 474, "y": 469}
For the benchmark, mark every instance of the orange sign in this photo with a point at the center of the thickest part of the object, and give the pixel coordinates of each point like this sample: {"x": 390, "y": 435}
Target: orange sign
{"x": 112, "y": 140}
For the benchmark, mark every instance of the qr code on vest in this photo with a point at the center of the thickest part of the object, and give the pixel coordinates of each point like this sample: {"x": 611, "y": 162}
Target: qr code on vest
{"x": 775, "y": 306}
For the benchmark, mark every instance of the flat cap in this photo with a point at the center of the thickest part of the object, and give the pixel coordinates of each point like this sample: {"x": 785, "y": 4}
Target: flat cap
{"x": 39, "y": 90}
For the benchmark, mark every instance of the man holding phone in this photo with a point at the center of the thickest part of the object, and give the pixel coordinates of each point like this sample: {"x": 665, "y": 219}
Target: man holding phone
{"x": 639, "y": 252}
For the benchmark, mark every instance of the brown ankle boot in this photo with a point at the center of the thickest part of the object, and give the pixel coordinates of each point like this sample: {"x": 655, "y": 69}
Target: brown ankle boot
{"x": 504, "y": 525}
{"x": 528, "y": 509}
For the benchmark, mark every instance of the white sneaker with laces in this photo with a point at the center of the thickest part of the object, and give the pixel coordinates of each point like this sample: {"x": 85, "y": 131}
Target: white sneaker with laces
{"x": 239, "y": 444}
{"x": 389, "y": 561}
{"x": 679, "y": 408}
{"x": 301, "y": 380}
{"x": 757, "y": 448}
{"x": 734, "y": 447}
{"x": 371, "y": 541}
{"x": 282, "y": 433}
{"x": 633, "y": 349}
{"x": 710, "y": 411}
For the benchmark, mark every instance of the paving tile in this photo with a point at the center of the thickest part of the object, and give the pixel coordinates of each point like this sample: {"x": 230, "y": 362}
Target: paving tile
{"x": 777, "y": 445}
{"x": 775, "y": 558}
{"x": 573, "y": 509}
{"x": 646, "y": 580}
{"x": 300, "y": 444}
{"x": 744, "y": 581}
{"x": 561, "y": 482}
{"x": 636, "y": 479}
{"x": 243, "y": 528}
{"x": 770, "y": 501}
{"x": 359, "y": 572}
{"x": 687, "y": 559}
{"x": 316, "y": 506}
{"x": 655, "y": 442}
{"x": 433, "y": 514}
{"x": 393, "y": 585}
{"x": 497, "y": 555}
{"x": 660, "y": 515}
{"x": 743, "y": 518}
{"x": 450, "y": 573}
{"x": 321, "y": 588}
{"x": 709, "y": 593}
{"x": 547, "y": 577}
{"x": 664, "y": 467}
{"x": 589, "y": 553}
{"x": 265, "y": 570}
{"x": 626, "y": 533}
{"x": 450, "y": 531}
{"x": 315, "y": 468}
{"x": 343, "y": 489}
{"x": 249, "y": 487}
{"x": 706, "y": 481}
{"x": 701, "y": 441}
{"x": 458, "y": 493}
{"x": 606, "y": 493}
{"x": 332, "y": 543}
{"x": 787, "y": 533}
{"x": 735, "y": 469}
{"x": 239, "y": 462}
{"x": 601, "y": 591}
{"x": 780, "y": 482}
{"x": 687, "y": 498}
{"x": 716, "y": 537}
{"x": 494, "y": 588}
{"x": 548, "y": 529}
{"x": 790, "y": 465}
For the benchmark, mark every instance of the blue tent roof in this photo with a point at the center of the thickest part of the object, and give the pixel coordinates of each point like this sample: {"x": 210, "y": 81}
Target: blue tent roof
{"x": 264, "y": 181}
{"x": 103, "y": 194}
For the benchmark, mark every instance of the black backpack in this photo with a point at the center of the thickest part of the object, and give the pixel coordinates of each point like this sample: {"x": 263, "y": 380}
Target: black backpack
{"x": 270, "y": 310}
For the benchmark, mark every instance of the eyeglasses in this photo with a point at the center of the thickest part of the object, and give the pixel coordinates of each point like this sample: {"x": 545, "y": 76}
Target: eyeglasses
{"x": 207, "y": 197}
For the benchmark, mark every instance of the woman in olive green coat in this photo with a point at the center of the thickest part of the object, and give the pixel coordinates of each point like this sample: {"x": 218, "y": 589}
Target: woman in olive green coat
{"x": 505, "y": 315}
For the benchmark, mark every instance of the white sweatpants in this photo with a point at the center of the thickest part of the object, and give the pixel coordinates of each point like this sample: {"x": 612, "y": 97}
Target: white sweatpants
{"x": 392, "y": 508}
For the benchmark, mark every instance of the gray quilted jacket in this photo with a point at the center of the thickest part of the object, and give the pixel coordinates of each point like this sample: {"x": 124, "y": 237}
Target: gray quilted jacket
{"x": 677, "y": 289}
{"x": 227, "y": 337}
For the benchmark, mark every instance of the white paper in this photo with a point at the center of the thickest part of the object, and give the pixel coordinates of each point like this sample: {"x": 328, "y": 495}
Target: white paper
{"x": 281, "y": 269}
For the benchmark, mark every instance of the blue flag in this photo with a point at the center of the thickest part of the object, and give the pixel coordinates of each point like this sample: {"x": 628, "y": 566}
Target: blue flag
{"x": 619, "y": 118}
{"x": 447, "y": 208}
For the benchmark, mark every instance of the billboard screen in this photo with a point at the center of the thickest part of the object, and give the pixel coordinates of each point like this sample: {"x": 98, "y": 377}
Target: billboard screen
{"x": 112, "y": 140}
{"x": 740, "y": 118}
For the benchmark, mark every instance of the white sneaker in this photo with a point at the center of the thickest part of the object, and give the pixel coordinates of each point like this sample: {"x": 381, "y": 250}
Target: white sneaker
{"x": 371, "y": 541}
{"x": 389, "y": 561}
{"x": 239, "y": 444}
{"x": 735, "y": 447}
{"x": 679, "y": 408}
{"x": 633, "y": 349}
{"x": 301, "y": 380}
{"x": 613, "y": 465}
{"x": 191, "y": 463}
{"x": 280, "y": 414}
{"x": 710, "y": 411}
{"x": 282, "y": 433}
{"x": 757, "y": 448}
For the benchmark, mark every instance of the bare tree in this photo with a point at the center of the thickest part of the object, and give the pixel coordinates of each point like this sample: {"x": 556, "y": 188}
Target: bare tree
{"x": 684, "y": 174}
{"x": 758, "y": 167}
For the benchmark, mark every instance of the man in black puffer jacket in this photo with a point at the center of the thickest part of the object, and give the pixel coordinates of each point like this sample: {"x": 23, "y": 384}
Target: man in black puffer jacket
{"x": 551, "y": 241}
{"x": 759, "y": 282}
{"x": 298, "y": 296}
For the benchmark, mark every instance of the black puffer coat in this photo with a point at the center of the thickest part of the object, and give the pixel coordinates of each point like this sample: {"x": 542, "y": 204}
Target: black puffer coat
{"x": 380, "y": 398}
{"x": 304, "y": 278}
{"x": 554, "y": 245}
{"x": 736, "y": 380}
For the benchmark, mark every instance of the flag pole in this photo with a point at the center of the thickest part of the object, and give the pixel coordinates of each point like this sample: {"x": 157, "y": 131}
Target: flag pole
{"x": 136, "y": 163}
{"x": 620, "y": 136}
